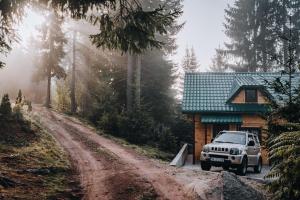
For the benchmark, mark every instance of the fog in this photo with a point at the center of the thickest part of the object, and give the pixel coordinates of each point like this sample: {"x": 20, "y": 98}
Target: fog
{"x": 17, "y": 74}
{"x": 20, "y": 67}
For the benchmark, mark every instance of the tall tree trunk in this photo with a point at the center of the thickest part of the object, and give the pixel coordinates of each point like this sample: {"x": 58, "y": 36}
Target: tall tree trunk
{"x": 255, "y": 24}
{"x": 86, "y": 103}
{"x": 285, "y": 34}
{"x": 73, "y": 98}
{"x": 138, "y": 81}
{"x": 48, "y": 97}
{"x": 130, "y": 62}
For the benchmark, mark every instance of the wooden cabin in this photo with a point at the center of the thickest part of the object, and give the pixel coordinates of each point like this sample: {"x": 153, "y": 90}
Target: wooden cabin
{"x": 227, "y": 101}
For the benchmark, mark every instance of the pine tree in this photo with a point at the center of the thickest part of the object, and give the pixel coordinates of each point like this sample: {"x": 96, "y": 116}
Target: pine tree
{"x": 219, "y": 61}
{"x": 5, "y": 108}
{"x": 248, "y": 25}
{"x": 253, "y": 27}
{"x": 51, "y": 53}
{"x": 284, "y": 139}
{"x": 19, "y": 98}
{"x": 134, "y": 64}
{"x": 286, "y": 17}
{"x": 137, "y": 25}
{"x": 193, "y": 65}
{"x": 189, "y": 62}
{"x": 186, "y": 60}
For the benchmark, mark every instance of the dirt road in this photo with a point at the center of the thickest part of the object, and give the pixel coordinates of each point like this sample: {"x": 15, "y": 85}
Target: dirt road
{"x": 107, "y": 169}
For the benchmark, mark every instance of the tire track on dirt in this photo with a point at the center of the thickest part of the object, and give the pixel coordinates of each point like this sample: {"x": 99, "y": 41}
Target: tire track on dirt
{"x": 121, "y": 164}
{"x": 91, "y": 171}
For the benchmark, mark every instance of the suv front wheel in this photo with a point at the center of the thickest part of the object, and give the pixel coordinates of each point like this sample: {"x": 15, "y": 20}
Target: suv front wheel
{"x": 242, "y": 169}
{"x": 205, "y": 166}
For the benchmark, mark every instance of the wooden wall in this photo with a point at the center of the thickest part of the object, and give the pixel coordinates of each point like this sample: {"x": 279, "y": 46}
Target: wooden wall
{"x": 200, "y": 139}
{"x": 240, "y": 98}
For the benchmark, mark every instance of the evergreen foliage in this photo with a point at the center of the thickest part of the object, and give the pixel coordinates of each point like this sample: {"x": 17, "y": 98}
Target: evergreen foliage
{"x": 285, "y": 157}
{"x": 19, "y": 99}
{"x": 219, "y": 61}
{"x": 101, "y": 91}
{"x": 50, "y": 53}
{"x": 189, "y": 62}
{"x": 10, "y": 13}
{"x": 5, "y": 108}
{"x": 253, "y": 27}
{"x": 284, "y": 123}
{"x": 125, "y": 27}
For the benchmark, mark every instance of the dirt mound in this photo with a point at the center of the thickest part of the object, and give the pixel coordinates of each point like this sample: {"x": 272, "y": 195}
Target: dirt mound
{"x": 235, "y": 189}
{"x": 220, "y": 186}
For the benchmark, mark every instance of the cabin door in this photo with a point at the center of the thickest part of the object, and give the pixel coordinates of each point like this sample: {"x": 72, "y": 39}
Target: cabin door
{"x": 218, "y": 128}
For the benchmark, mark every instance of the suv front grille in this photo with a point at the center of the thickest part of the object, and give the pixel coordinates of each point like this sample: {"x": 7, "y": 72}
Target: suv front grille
{"x": 218, "y": 156}
{"x": 220, "y": 149}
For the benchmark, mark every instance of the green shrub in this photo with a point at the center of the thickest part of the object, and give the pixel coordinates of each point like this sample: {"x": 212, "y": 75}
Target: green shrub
{"x": 136, "y": 127}
{"x": 17, "y": 113}
{"x": 109, "y": 123}
{"x": 5, "y": 108}
{"x": 182, "y": 129}
{"x": 139, "y": 128}
{"x": 166, "y": 140}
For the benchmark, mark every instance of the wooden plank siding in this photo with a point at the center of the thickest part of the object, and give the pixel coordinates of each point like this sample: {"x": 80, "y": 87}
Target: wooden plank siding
{"x": 240, "y": 98}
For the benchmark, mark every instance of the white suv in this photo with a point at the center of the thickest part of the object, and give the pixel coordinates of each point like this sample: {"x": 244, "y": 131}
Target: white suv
{"x": 234, "y": 149}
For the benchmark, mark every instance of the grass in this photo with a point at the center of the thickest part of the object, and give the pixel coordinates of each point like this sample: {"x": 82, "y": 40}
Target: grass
{"x": 39, "y": 168}
{"x": 146, "y": 150}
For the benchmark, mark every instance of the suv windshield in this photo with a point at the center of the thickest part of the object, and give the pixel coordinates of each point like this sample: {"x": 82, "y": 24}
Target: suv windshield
{"x": 235, "y": 138}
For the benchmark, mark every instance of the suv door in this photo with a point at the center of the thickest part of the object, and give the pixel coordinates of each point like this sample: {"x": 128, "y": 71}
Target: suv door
{"x": 251, "y": 151}
{"x": 257, "y": 149}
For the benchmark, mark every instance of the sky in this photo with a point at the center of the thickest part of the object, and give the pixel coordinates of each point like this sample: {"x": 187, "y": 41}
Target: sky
{"x": 203, "y": 29}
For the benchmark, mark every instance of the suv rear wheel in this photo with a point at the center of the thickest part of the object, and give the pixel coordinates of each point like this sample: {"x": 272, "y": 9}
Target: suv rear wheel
{"x": 257, "y": 168}
{"x": 205, "y": 166}
{"x": 242, "y": 169}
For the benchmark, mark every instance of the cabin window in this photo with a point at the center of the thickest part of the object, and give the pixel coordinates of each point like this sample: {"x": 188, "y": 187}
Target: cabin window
{"x": 251, "y": 96}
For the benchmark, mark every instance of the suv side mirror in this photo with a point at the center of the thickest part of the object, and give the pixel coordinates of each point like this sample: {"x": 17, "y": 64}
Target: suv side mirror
{"x": 212, "y": 139}
{"x": 251, "y": 143}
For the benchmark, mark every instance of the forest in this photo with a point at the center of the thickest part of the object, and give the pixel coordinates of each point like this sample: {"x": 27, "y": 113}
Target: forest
{"x": 127, "y": 91}
{"x": 109, "y": 64}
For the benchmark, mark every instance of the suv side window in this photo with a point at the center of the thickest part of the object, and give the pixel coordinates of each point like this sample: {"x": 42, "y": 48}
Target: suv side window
{"x": 256, "y": 140}
{"x": 250, "y": 137}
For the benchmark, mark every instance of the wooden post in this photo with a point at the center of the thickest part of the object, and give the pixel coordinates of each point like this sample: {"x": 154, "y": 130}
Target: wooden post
{"x": 194, "y": 140}
{"x": 205, "y": 133}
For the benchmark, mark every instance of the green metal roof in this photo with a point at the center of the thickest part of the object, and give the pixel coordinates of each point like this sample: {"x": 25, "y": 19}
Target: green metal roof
{"x": 209, "y": 92}
{"x": 243, "y": 82}
{"x": 221, "y": 119}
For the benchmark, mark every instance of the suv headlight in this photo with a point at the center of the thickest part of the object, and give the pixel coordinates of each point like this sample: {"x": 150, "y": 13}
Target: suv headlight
{"x": 206, "y": 149}
{"x": 235, "y": 151}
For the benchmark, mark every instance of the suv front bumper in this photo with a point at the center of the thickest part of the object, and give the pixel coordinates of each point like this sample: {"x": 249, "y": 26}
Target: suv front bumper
{"x": 221, "y": 159}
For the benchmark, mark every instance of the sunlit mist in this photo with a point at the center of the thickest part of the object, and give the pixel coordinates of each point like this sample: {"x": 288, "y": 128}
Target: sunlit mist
{"x": 27, "y": 28}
